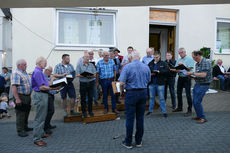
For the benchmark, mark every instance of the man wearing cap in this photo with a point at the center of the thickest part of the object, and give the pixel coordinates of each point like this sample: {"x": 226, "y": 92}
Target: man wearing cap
{"x": 116, "y": 52}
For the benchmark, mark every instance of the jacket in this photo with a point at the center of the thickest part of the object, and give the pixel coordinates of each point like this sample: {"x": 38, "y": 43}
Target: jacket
{"x": 171, "y": 62}
{"x": 163, "y": 71}
{"x": 216, "y": 71}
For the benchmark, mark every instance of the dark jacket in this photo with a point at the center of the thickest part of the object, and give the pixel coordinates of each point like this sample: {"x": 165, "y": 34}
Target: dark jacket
{"x": 171, "y": 63}
{"x": 216, "y": 71}
{"x": 162, "y": 75}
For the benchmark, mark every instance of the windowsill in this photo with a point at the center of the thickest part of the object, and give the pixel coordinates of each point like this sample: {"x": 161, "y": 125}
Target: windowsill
{"x": 64, "y": 48}
{"x": 225, "y": 53}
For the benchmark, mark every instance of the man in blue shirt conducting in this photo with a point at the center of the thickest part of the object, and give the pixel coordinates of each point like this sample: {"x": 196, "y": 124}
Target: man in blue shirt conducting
{"x": 135, "y": 76}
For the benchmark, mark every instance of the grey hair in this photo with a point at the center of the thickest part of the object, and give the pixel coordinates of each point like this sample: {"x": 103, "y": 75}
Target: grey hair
{"x": 135, "y": 55}
{"x": 183, "y": 49}
{"x": 149, "y": 50}
{"x": 20, "y": 61}
{"x": 40, "y": 59}
{"x": 49, "y": 67}
{"x": 103, "y": 53}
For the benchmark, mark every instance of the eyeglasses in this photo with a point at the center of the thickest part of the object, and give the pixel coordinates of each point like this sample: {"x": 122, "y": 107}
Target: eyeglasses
{"x": 156, "y": 56}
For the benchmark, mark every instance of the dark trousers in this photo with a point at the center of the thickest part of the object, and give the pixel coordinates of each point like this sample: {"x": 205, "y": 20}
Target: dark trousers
{"x": 184, "y": 82}
{"x": 2, "y": 90}
{"x": 135, "y": 102}
{"x": 86, "y": 89}
{"x": 50, "y": 111}
{"x": 22, "y": 116}
{"x": 170, "y": 82}
{"x": 107, "y": 86}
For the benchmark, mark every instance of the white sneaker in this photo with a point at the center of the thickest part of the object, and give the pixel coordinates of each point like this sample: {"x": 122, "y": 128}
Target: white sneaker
{"x": 126, "y": 146}
{"x": 139, "y": 145}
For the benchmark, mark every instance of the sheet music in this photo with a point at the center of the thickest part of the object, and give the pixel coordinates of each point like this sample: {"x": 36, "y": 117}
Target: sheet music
{"x": 59, "y": 81}
{"x": 184, "y": 72}
{"x": 69, "y": 76}
{"x": 118, "y": 86}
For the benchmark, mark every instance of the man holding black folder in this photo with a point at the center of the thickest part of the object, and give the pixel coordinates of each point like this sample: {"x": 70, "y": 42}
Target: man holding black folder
{"x": 86, "y": 72}
{"x": 61, "y": 70}
{"x": 184, "y": 65}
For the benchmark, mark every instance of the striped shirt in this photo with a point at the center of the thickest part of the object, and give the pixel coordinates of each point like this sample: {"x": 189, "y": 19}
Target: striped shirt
{"x": 22, "y": 81}
{"x": 106, "y": 70}
{"x": 61, "y": 69}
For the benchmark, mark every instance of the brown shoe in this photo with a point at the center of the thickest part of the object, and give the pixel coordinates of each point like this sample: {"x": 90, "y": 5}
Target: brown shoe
{"x": 116, "y": 111}
{"x": 46, "y": 135}
{"x": 195, "y": 118}
{"x": 201, "y": 121}
{"x": 40, "y": 143}
{"x": 105, "y": 111}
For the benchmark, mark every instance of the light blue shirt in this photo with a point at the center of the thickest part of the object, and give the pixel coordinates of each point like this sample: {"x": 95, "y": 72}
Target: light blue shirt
{"x": 188, "y": 62}
{"x": 135, "y": 75}
{"x": 147, "y": 59}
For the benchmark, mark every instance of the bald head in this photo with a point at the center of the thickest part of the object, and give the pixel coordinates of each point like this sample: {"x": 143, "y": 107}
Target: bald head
{"x": 48, "y": 70}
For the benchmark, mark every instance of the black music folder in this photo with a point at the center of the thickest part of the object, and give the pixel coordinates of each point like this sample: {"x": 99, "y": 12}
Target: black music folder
{"x": 86, "y": 74}
{"x": 181, "y": 67}
{"x": 60, "y": 82}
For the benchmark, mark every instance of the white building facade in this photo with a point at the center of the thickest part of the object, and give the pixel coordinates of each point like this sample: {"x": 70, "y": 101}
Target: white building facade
{"x": 51, "y": 32}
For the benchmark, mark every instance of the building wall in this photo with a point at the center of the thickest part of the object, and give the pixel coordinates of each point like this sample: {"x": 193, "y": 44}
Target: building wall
{"x": 196, "y": 29}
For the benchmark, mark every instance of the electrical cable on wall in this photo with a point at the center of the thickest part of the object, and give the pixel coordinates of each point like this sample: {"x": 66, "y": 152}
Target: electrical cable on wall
{"x": 36, "y": 35}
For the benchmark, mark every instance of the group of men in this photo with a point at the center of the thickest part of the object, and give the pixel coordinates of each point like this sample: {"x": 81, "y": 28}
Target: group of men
{"x": 138, "y": 78}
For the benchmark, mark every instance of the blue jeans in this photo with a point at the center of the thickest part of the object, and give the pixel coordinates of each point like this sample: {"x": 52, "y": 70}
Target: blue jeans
{"x": 198, "y": 94}
{"x": 160, "y": 89}
{"x": 171, "y": 83}
{"x": 107, "y": 85}
{"x": 222, "y": 81}
{"x": 135, "y": 102}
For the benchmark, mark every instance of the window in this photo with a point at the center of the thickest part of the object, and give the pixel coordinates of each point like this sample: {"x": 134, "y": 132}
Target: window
{"x": 223, "y": 36}
{"x": 85, "y": 29}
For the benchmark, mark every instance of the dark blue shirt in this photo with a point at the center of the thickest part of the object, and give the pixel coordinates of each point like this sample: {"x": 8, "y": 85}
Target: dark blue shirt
{"x": 2, "y": 82}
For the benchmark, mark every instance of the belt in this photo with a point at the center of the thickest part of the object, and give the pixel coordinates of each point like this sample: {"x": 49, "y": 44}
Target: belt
{"x": 108, "y": 79}
{"x": 203, "y": 83}
{"x": 135, "y": 89}
{"x": 23, "y": 94}
{"x": 43, "y": 92}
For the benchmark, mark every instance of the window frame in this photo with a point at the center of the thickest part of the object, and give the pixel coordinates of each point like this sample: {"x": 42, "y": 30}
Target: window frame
{"x": 63, "y": 46}
{"x": 224, "y": 20}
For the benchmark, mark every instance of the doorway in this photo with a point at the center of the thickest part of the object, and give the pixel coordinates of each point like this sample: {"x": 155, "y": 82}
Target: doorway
{"x": 162, "y": 38}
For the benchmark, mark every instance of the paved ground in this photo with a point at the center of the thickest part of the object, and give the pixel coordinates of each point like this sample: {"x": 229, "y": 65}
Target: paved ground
{"x": 175, "y": 134}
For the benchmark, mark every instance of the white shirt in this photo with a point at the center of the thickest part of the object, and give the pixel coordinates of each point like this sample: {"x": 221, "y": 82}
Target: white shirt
{"x": 98, "y": 59}
{"x": 3, "y": 105}
{"x": 221, "y": 68}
